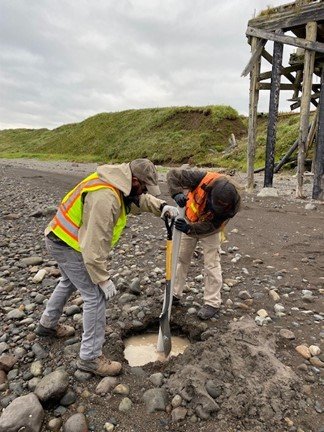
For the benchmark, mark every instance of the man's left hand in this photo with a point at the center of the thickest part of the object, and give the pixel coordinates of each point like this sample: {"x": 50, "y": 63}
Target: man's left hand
{"x": 182, "y": 225}
{"x": 169, "y": 212}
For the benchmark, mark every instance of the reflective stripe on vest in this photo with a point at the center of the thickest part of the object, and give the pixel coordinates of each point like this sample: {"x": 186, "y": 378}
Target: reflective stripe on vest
{"x": 196, "y": 201}
{"x": 68, "y": 218}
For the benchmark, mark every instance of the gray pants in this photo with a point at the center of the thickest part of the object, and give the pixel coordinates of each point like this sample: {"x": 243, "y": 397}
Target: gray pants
{"x": 75, "y": 277}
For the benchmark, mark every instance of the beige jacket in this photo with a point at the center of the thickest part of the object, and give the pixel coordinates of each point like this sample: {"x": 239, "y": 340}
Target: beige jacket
{"x": 101, "y": 211}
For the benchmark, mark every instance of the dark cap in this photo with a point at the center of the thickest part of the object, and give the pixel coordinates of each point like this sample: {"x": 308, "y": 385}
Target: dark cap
{"x": 146, "y": 173}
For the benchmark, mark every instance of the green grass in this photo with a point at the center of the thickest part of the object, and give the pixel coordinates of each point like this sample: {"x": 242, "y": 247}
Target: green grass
{"x": 175, "y": 135}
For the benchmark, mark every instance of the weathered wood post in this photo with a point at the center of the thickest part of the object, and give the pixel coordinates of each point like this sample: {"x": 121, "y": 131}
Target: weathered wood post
{"x": 318, "y": 185}
{"x": 311, "y": 31}
{"x": 253, "y": 112}
{"x": 273, "y": 112}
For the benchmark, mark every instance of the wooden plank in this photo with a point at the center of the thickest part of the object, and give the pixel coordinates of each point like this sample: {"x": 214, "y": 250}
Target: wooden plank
{"x": 273, "y": 113}
{"x": 254, "y": 58}
{"x": 312, "y": 131}
{"x": 253, "y": 110}
{"x": 318, "y": 185}
{"x": 311, "y": 32}
{"x": 289, "y": 40}
{"x": 284, "y": 71}
{"x": 268, "y": 57}
{"x": 292, "y": 17}
{"x": 293, "y": 148}
{"x": 299, "y": 74}
{"x": 297, "y": 104}
{"x": 286, "y": 86}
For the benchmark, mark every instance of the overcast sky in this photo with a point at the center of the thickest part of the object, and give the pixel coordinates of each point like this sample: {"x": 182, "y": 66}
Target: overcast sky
{"x": 62, "y": 61}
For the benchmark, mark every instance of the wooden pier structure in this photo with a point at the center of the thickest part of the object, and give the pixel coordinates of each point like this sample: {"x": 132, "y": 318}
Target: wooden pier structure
{"x": 299, "y": 24}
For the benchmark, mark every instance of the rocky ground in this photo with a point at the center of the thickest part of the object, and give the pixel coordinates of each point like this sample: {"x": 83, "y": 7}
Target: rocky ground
{"x": 259, "y": 367}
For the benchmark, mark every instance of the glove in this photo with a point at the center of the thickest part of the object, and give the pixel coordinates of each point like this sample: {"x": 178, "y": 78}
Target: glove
{"x": 182, "y": 225}
{"x": 108, "y": 288}
{"x": 180, "y": 199}
{"x": 169, "y": 211}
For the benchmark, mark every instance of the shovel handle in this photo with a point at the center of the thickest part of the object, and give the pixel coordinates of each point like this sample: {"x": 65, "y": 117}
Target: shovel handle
{"x": 169, "y": 222}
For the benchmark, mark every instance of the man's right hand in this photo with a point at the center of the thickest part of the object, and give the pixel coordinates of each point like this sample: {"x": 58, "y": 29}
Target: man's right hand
{"x": 108, "y": 288}
{"x": 180, "y": 199}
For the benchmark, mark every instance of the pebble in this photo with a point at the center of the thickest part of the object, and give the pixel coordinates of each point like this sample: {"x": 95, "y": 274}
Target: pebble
{"x": 125, "y": 405}
{"x": 303, "y": 350}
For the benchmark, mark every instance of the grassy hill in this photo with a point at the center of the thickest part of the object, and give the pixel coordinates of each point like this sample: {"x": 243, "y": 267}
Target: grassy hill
{"x": 198, "y": 135}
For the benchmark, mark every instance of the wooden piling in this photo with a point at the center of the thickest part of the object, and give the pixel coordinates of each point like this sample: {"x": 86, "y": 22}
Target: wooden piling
{"x": 253, "y": 112}
{"x": 311, "y": 31}
{"x": 273, "y": 113}
{"x": 318, "y": 185}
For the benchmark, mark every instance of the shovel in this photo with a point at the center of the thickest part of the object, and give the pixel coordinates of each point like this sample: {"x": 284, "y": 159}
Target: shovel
{"x": 173, "y": 243}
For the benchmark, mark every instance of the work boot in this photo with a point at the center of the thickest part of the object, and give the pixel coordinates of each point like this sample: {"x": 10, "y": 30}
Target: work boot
{"x": 207, "y": 312}
{"x": 60, "y": 331}
{"x": 100, "y": 366}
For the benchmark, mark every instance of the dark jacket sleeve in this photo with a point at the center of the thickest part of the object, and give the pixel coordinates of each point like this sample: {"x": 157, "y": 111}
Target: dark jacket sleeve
{"x": 180, "y": 179}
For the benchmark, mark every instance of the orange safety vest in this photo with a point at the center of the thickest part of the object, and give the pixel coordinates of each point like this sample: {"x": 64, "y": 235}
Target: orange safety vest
{"x": 68, "y": 218}
{"x": 196, "y": 199}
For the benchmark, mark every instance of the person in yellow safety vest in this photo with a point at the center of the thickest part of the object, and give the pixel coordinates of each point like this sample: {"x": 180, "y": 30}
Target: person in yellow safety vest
{"x": 212, "y": 199}
{"x": 87, "y": 224}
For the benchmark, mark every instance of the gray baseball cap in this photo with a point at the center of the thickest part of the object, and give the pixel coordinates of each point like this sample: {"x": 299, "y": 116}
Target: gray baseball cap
{"x": 146, "y": 173}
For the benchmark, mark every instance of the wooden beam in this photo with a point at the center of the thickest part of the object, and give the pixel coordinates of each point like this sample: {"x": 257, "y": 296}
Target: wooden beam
{"x": 298, "y": 103}
{"x": 289, "y": 40}
{"x": 299, "y": 74}
{"x": 311, "y": 33}
{"x": 286, "y": 86}
{"x": 318, "y": 185}
{"x": 284, "y": 71}
{"x": 268, "y": 57}
{"x": 273, "y": 113}
{"x": 289, "y": 18}
{"x": 253, "y": 111}
{"x": 255, "y": 57}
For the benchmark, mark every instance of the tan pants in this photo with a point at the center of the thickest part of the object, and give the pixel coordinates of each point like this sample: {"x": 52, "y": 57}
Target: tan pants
{"x": 212, "y": 267}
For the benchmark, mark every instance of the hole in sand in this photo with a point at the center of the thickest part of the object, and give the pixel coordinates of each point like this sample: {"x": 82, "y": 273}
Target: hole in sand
{"x": 141, "y": 349}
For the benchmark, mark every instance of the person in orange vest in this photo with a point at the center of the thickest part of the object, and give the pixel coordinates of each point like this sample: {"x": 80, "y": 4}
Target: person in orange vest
{"x": 87, "y": 224}
{"x": 210, "y": 200}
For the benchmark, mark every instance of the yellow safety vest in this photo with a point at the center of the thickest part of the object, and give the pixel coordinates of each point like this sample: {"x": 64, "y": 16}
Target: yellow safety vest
{"x": 68, "y": 218}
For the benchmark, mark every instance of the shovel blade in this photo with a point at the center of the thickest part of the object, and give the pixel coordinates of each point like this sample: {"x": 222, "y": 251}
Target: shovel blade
{"x": 166, "y": 333}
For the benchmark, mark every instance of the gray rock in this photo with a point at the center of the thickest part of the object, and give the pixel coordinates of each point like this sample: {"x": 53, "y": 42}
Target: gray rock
{"x": 268, "y": 192}
{"x": 16, "y": 314}
{"x": 214, "y": 390}
{"x": 33, "y": 260}
{"x": 155, "y": 399}
{"x": 156, "y": 379}
{"x": 135, "y": 286}
{"x": 55, "y": 424}
{"x": 76, "y": 423}
{"x": 127, "y": 298}
{"x": 106, "y": 385}
{"x": 52, "y": 386}
{"x": 178, "y": 414}
{"x": 125, "y": 405}
{"x": 24, "y": 412}
{"x": 68, "y": 399}
{"x": 3, "y": 347}
{"x": 287, "y": 334}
